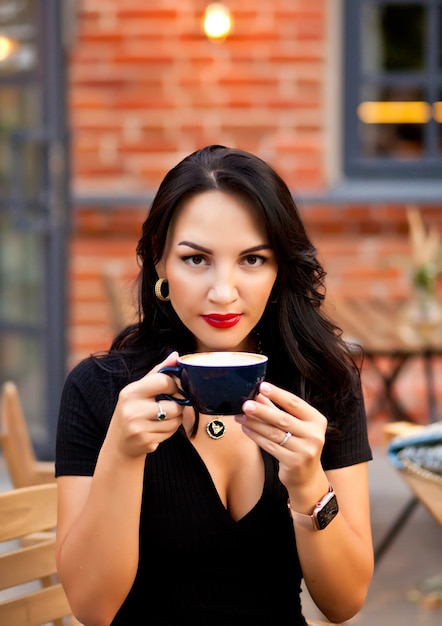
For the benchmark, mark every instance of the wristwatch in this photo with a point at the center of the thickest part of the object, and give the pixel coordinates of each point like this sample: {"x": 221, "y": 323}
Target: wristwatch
{"x": 324, "y": 512}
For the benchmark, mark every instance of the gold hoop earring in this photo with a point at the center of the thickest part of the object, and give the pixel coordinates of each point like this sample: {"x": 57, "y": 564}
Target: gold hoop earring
{"x": 158, "y": 292}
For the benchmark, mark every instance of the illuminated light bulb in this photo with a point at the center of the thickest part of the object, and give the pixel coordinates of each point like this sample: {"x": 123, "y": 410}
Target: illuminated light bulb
{"x": 217, "y": 21}
{"x": 7, "y": 47}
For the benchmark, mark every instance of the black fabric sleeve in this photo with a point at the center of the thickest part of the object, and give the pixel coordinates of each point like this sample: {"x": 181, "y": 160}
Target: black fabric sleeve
{"x": 350, "y": 444}
{"x": 87, "y": 403}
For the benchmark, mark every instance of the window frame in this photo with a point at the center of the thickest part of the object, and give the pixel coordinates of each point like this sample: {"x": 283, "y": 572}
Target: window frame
{"x": 354, "y": 165}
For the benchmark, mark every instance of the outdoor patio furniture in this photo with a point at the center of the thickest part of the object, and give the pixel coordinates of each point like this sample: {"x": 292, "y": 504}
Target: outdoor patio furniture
{"x": 30, "y": 594}
{"x": 18, "y": 451}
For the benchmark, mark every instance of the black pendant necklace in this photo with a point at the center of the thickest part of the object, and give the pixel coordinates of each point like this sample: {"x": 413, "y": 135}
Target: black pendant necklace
{"x": 216, "y": 428}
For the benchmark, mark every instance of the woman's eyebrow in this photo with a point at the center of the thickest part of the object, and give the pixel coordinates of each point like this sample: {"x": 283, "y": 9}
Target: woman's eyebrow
{"x": 196, "y": 246}
{"x": 263, "y": 246}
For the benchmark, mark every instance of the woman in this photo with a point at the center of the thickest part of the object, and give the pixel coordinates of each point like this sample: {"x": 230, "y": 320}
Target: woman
{"x": 160, "y": 524}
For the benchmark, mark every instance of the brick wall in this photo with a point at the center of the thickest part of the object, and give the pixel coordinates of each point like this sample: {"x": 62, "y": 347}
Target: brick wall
{"x": 147, "y": 88}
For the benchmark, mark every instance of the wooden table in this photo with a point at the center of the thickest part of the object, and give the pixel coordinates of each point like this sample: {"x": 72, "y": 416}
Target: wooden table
{"x": 376, "y": 325}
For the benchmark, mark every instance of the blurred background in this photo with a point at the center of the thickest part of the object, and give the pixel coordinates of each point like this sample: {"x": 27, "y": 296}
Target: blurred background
{"x": 100, "y": 98}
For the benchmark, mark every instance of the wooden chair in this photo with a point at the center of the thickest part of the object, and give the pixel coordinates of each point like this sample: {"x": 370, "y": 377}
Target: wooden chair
{"x": 425, "y": 486}
{"x": 23, "y": 467}
{"x": 24, "y": 512}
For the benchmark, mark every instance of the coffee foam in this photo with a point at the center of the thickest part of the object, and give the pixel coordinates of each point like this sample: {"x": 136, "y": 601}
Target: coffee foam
{"x": 222, "y": 359}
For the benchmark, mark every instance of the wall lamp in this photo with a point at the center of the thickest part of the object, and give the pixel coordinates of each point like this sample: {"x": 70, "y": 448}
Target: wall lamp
{"x": 217, "y": 22}
{"x": 8, "y": 47}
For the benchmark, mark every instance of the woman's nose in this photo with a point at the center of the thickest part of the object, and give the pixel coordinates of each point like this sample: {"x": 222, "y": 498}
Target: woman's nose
{"x": 223, "y": 288}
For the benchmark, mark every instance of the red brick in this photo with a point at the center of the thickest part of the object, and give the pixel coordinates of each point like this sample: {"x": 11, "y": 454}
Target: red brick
{"x": 147, "y": 88}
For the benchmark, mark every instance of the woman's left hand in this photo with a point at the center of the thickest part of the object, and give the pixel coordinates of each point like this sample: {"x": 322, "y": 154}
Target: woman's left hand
{"x": 337, "y": 563}
{"x": 291, "y": 430}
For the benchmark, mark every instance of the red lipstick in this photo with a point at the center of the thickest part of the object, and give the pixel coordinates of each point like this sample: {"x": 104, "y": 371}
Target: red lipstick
{"x": 217, "y": 320}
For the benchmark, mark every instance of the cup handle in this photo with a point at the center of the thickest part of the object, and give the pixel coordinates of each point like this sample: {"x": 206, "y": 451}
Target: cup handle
{"x": 176, "y": 371}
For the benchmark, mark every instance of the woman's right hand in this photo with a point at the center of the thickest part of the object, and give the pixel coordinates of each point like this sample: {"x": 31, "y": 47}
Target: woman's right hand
{"x": 97, "y": 561}
{"x": 135, "y": 428}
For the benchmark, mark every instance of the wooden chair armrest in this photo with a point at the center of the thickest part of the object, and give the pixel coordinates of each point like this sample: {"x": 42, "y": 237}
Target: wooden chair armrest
{"x": 44, "y": 472}
{"x": 33, "y": 538}
{"x": 396, "y": 429}
{"x": 428, "y": 492}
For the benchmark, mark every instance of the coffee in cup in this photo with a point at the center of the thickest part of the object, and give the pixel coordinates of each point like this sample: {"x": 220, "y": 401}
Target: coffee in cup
{"x": 218, "y": 383}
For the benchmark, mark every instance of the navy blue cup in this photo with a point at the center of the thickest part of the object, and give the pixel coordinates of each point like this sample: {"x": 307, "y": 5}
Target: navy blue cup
{"x": 218, "y": 383}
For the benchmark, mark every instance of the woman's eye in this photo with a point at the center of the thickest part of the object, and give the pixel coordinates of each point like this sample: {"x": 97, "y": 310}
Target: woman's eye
{"x": 194, "y": 259}
{"x": 254, "y": 260}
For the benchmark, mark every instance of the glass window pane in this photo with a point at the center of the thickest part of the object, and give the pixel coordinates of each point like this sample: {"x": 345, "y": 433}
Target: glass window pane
{"x": 23, "y": 364}
{"x": 19, "y": 111}
{"x": 18, "y": 50}
{"x": 21, "y": 275}
{"x": 393, "y": 37}
{"x": 392, "y": 121}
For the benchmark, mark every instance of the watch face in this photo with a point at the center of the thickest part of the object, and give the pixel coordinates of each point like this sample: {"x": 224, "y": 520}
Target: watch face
{"x": 327, "y": 512}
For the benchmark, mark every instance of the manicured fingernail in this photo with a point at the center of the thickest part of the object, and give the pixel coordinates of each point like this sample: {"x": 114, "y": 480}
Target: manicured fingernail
{"x": 249, "y": 406}
{"x": 265, "y": 388}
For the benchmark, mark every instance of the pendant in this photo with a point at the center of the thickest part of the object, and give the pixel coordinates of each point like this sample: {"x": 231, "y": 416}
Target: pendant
{"x": 216, "y": 428}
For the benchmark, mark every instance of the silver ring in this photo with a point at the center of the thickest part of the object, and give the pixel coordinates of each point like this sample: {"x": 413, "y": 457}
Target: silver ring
{"x": 161, "y": 415}
{"x": 285, "y": 439}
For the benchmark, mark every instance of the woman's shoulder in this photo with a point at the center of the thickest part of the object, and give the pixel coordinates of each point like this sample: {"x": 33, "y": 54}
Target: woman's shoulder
{"x": 101, "y": 375}
{"x": 99, "y": 366}
{"x": 110, "y": 361}
{"x": 92, "y": 387}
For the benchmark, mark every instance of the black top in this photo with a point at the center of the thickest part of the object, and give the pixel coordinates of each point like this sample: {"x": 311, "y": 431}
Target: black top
{"x": 197, "y": 565}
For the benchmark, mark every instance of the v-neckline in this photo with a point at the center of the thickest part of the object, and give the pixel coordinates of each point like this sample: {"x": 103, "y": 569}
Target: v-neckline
{"x": 267, "y": 460}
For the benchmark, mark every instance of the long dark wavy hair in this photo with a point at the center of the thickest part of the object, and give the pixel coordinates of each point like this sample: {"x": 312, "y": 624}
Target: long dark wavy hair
{"x": 306, "y": 352}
